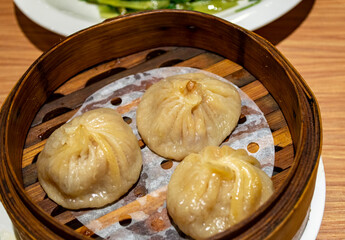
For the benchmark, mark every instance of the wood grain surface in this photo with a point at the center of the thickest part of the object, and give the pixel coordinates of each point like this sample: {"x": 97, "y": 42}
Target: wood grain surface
{"x": 311, "y": 36}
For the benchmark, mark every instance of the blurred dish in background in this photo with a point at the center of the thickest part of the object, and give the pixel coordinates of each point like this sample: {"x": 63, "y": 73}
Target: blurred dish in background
{"x": 66, "y": 17}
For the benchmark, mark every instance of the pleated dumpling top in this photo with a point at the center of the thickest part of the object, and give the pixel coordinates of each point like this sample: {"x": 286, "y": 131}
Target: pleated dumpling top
{"x": 215, "y": 189}
{"x": 90, "y": 161}
{"x": 184, "y": 113}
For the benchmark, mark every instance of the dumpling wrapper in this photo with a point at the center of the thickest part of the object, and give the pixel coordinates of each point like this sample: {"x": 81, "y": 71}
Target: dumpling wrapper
{"x": 182, "y": 114}
{"x": 215, "y": 189}
{"x": 90, "y": 161}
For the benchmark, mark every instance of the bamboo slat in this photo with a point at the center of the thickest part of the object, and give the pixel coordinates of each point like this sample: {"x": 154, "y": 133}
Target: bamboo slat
{"x": 43, "y": 126}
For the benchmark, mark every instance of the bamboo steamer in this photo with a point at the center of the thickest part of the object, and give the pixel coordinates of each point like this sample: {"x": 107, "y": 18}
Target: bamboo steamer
{"x": 53, "y": 88}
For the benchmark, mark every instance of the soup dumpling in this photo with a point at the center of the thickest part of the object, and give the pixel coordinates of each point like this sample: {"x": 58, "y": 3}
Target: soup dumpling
{"x": 184, "y": 113}
{"x": 215, "y": 189}
{"x": 90, "y": 161}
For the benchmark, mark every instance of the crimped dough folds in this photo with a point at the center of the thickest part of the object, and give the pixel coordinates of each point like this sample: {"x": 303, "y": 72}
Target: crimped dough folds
{"x": 215, "y": 189}
{"x": 184, "y": 113}
{"x": 90, "y": 161}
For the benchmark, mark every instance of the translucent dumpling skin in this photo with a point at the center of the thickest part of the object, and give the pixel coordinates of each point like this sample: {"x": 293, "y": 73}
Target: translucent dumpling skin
{"x": 184, "y": 113}
{"x": 90, "y": 161}
{"x": 213, "y": 190}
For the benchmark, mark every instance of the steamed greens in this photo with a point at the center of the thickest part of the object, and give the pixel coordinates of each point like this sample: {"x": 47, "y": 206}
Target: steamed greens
{"x": 113, "y": 8}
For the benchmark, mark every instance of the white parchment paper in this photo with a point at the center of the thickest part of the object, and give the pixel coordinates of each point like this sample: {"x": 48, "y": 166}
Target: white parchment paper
{"x": 145, "y": 202}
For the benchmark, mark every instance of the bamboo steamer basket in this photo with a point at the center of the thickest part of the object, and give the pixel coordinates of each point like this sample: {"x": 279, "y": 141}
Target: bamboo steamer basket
{"x": 56, "y": 84}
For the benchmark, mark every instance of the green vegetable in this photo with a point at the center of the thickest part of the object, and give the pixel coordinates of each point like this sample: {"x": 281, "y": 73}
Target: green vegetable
{"x": 213, "y": 6}
{"x": 108, "y": 11}
{"x": 113, "y": 8}
{"x": 140, "y": 5}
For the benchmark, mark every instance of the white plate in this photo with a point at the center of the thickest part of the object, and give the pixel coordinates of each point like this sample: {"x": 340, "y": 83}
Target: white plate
{"x": 65, "y": 17}
{"x": 6, "y": 228}
{"x": 310, "y": 232}
{"x": 317, "y": 206}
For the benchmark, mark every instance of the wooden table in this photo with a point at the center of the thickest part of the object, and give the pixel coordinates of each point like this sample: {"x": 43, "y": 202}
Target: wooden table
{"x": 311, "y": 36}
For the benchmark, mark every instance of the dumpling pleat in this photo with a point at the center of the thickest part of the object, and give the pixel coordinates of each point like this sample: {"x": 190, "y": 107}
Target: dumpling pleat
{"x": 184, "y": 113}
{"x": 215, "y": 189}
{"x": 90, "y": 161}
